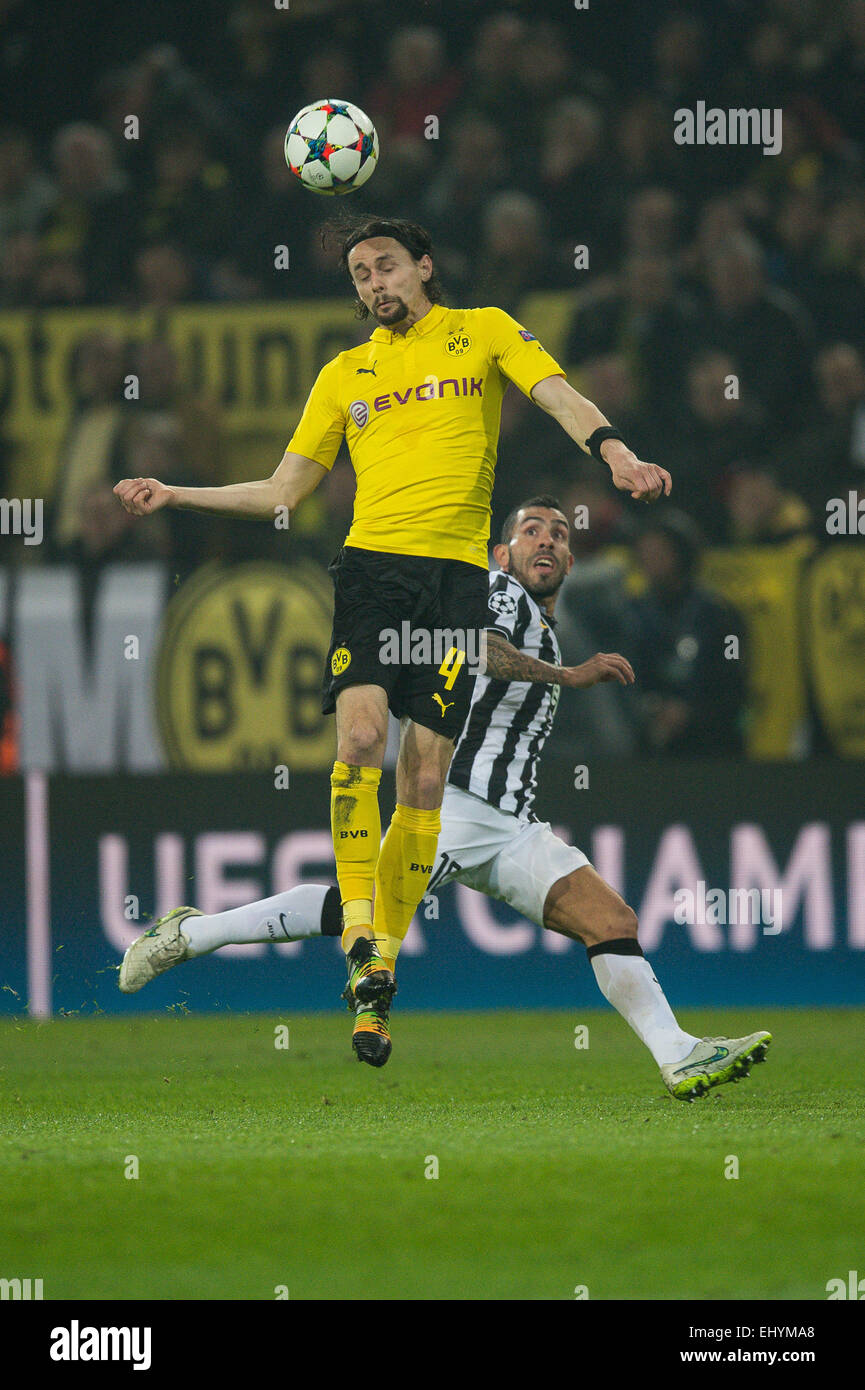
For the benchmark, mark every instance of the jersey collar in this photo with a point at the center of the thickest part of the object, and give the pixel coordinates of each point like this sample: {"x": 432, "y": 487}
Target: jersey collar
{"x": 431, "y": 319}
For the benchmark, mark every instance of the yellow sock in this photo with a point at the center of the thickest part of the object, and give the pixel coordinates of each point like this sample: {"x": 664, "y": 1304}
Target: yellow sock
{"x": 402, "y": 874}
{"x": 356, "y": 826}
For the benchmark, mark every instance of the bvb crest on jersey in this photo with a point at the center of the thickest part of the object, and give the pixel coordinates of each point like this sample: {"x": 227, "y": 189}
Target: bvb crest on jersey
{"x": 458, "y": 344}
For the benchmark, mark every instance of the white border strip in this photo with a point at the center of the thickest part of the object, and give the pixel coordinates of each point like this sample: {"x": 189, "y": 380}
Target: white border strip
{"x": 38, "y": 895}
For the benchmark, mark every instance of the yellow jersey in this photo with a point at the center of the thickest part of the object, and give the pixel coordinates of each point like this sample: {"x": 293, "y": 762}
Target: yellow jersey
{"x": 420, "y": 412}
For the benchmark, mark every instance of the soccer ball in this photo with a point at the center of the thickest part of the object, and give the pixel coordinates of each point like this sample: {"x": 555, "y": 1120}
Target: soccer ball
{"x": 331, "y": 146}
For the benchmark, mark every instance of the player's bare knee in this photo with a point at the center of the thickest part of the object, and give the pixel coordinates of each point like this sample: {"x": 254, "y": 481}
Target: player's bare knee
{"x": 361, "y": 742}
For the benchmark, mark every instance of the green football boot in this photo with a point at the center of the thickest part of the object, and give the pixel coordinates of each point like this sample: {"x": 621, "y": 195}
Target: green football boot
{"x": 713, "y": 1062}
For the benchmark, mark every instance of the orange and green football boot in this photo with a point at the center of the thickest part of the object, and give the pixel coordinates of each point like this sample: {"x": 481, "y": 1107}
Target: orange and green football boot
{"x": 369, "y": 980}
{"x": 371, "y": 1036}
{"x": 368, "y": 994}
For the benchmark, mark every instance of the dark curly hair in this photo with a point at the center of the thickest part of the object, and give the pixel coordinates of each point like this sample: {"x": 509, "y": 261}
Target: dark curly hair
{"x": 348, "y": 230}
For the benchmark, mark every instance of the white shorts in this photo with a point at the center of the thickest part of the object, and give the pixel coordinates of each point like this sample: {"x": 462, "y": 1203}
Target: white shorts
{"x": 516, "y": 861}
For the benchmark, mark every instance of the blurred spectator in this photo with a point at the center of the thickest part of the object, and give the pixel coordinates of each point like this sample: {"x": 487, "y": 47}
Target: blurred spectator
{"x": 572, "y": 182}
{"x": 719, "y": 424}
{"x": 647, "y": 319}
{"x": 175, "y": 434}
{"x": 120, "y": 93}
{"x": 276, "y": 218}
{"x": 403, "y": 178}
{"x": 828, "y": 459}
{"x": 417, "y": 83}
{"x": 692, "y": 695}
{"x": 163, "y": 276}
{"x": 94, "y": 449}
{"x": 514, "y": 255}
{"x": 88, "y": 224}
{"x": 158, "y": 88}
{"x": 190, "y": 201}
{"x": 163, "y": 402}
{"x": 644, "y": 151}
{"x": 474, "y": 168}
{"x": 842, "y": 80}
{"x": 25, "y": 193}
{"x": 837, "y": 291}
{"x": 593, "y": 613}
{"x": 766, "y": 65}
{"x": 596, "y": 511}
{"x": 798, "y": 226}
{"x": 19, "y": 258}
{"x": 545, "y": 67}
{"x": 609, "y": 382}
{"x": 765, "y": 328}
{"x": 652, "y": 223}
{"x": 679, "y": 60}
{"x": 60, "y": 280}
{"x": 811, "y": 154}
{"x": 759, "y": 510}
{"x": 494, "y": 83}
{"x": 719, "y": 221}
{"x": 330, "y": 68}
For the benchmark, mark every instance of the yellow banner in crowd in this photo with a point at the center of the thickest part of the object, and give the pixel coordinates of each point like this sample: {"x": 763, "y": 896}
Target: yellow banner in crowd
{"x": 255, "y": 362}
{"x": 835, "y": 626}
{"x": 763, "y": 582}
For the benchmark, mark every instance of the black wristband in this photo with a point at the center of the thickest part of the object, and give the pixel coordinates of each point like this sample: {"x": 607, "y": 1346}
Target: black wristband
{"x": 596, "y": 439}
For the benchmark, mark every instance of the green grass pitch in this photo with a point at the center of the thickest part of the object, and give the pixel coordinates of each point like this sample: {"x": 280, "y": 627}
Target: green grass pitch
{"x": 559, "y": 1168}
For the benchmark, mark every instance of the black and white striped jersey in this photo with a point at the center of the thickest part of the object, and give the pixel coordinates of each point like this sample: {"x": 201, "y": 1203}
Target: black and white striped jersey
{"x": 497, "y": 753}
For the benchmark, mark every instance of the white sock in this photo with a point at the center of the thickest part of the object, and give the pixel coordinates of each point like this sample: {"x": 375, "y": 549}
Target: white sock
{"x": 290, "y": 916}
{"x": 629, "y": 983}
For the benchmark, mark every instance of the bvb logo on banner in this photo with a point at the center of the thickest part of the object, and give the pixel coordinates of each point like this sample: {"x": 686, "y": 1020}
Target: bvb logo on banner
{"x": 835, "y": 624}
{"x": 240, "y": 668}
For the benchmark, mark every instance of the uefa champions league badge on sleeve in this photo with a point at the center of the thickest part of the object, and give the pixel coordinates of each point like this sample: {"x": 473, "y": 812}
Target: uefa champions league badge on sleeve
{"x": 503, "y": 604}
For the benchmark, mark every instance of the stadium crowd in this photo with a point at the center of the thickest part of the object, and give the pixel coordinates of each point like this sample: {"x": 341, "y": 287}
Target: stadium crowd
{"x": 517, "y": 133}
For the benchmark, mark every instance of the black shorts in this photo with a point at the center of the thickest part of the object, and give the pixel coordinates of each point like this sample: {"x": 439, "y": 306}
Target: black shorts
{"x": 393, "y": 611}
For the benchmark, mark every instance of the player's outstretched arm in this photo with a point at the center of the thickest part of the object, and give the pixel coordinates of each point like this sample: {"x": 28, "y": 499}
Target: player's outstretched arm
{"x": 506, "y": 663}
{"x": 295, "y": 478}
{"x": 579, "y": 418}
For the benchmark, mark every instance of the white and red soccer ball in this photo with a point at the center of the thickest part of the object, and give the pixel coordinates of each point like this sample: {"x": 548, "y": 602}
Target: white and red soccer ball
{"x": 331, "y": 146}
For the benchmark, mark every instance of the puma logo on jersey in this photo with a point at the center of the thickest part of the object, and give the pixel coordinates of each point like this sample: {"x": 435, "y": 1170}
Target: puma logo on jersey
{"x": 353, "y": 834}
{"x": 421, "y": 868}
{"x": 370, "y": 371}
{"x": 444, "y": 706}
